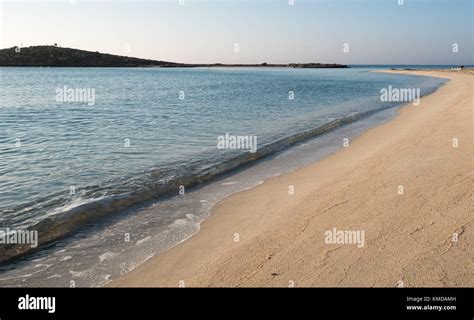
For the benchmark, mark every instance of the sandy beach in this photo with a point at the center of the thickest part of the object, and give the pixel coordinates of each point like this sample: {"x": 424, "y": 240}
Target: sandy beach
{"x": 407, "y": 185}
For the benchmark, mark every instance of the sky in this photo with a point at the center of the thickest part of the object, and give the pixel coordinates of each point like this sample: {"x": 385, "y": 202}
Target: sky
{"x": 250, "y": 31}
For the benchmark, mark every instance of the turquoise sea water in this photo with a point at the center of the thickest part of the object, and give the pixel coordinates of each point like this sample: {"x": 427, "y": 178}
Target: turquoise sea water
{"x": 151, "y": 130}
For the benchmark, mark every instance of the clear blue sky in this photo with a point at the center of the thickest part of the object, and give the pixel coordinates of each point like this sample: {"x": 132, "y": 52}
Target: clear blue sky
{"x": 377, "y": 31}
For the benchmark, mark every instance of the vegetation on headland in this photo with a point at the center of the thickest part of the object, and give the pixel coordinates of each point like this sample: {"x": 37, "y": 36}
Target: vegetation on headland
{"x": 55, "y": 56}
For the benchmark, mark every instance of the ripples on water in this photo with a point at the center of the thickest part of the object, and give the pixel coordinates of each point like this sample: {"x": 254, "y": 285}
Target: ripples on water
{"x": 47, "y": 147}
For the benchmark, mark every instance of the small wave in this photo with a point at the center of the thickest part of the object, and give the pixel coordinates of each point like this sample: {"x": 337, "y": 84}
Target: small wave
{"x": 77, "y": 202}
{"x": 139, "y": 242}
{"x": 65, "y": 219}
{"x": 106, "y": 256}
{"x": 229, "y": 183}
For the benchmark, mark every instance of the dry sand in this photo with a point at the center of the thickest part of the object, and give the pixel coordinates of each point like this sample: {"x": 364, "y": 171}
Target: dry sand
{"x": 408, "y": 237}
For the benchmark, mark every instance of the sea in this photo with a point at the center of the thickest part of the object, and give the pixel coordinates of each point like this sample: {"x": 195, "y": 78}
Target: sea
{"x": 112, "y": 166}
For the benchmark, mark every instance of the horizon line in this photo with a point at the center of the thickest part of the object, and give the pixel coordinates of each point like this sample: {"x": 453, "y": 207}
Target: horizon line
{"x": 244, "y": 64}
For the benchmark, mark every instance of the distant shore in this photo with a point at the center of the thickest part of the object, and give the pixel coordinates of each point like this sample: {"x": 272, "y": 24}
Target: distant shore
{"x": 419, "y": 237}
{"x": 54, "y": 56}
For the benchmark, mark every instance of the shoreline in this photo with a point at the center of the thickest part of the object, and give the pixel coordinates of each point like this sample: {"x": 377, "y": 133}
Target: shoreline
{"x": 280, "y": 237}
{"x": 70, "y": 221}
